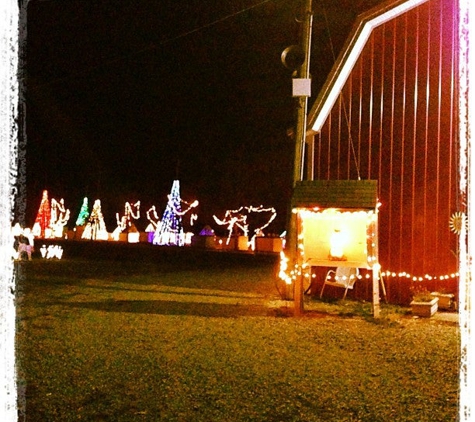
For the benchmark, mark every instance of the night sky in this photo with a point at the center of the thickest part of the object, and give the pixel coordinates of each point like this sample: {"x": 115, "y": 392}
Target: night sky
{"x": 121, "y": 97}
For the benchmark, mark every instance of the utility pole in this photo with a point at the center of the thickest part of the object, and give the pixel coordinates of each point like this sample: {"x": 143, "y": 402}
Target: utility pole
{"x": 301, "y": 90}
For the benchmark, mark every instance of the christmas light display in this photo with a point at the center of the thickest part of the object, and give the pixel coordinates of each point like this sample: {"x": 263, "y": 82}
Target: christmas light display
{"x": 83, "y": 214}
{"x": 121, "y": 227}
{"x": 238, "y": 219}
{"x": 96, "y": 227}
{"x": 170, "y": 231}
{"x": 233, "y": 220}
{"x": 59, "y": 217}
{"x": 154, "y": 223}
{"x": 16, "y": 230}
{"x": 426, "y": 277}
{"x": 52, "y": 251}
{"x": 124, "y": 223}
{"x": 41, "y": 228}
{"x": 331, "y": 238}
{"x": 207, "y": 231}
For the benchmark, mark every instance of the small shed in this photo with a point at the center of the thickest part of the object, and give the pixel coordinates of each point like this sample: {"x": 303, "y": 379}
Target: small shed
{"x": 337, "y": 222}
{"x": 337, "y": 226}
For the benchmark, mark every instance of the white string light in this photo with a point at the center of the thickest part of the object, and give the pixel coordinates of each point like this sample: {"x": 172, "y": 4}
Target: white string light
{"x": 125, "y": 222}
{"x": 194, "y": 204}
{"x": 170, "y": 230}
{"x": 154, "y": 219}
{"x": 129, "y": 210}
{"x": 96, "y": 227}
{"x": 52, "y": 251}
{"x": 428, "y": 277}
{"x": 58, "y": 220}
{"x": 236, "y": 218}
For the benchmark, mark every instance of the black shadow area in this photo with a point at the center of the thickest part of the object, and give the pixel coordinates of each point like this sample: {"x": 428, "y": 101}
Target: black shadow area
{"x": 165, "y": 307}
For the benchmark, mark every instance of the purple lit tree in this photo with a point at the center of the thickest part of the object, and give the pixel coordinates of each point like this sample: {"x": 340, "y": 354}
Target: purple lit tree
{"x": 170, "y": 231}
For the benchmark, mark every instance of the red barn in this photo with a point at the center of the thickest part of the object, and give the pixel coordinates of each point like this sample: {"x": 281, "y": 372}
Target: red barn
{"x": 389, "y": 112}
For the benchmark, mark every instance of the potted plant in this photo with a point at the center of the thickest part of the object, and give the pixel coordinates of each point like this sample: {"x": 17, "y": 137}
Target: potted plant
{"x": 423, "y": 304}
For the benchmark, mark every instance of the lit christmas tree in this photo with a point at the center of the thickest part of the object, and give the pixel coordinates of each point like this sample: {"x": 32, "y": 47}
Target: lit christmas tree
{"x": 96, "y": 227}
{"x": 83, "y": 213}
{"x": 170, "y": 231}
{"x": 41, "y": 228}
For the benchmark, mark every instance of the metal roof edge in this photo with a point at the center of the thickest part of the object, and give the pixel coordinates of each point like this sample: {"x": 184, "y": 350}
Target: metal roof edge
{"x": 364, "y": 25}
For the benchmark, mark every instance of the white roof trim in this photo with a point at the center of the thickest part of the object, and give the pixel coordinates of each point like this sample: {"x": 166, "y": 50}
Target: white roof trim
{"x": 361, "y": 34}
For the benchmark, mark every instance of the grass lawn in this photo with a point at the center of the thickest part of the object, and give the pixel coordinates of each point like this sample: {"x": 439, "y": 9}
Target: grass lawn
{"x": 203, "y": 337}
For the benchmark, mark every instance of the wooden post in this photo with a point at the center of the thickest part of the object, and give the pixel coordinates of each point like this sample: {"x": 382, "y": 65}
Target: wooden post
{"x": 376, "y": 269}
{"x": 301, "y": 129}
{"x": 376, "y": 305}
{"x": 298, "y": 285}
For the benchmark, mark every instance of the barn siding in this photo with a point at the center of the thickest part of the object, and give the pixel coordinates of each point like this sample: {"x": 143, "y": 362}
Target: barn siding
{"x": 396, "y": 121}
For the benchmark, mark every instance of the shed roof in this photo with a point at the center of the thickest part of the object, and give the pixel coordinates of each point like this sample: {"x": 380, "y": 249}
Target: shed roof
{"x": 351, "y": 194}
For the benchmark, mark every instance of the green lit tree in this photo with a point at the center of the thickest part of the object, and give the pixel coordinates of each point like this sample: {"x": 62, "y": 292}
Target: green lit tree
{"x": 83, "y": 213}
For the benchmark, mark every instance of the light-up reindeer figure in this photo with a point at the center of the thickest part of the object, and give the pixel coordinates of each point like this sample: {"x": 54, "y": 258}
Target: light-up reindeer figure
{"x": 59, "y": 217}
{"x": 259, "y": 231}
{"x": 190, "y": 206}
{"x": 154, "y": 219}
{"x": 154, "y": 222}
{"x": 124, "y": 223}
{"x": 233, "y": 219}
{"x": 239, "y": 219}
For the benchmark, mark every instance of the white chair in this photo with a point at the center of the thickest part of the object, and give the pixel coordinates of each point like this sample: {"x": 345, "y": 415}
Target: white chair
{"x": 344, "y": 277}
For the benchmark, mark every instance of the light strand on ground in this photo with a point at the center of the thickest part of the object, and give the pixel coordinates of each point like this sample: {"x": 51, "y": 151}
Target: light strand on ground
{"x": 289, "y": 275}
{"x": 52, "y": 251}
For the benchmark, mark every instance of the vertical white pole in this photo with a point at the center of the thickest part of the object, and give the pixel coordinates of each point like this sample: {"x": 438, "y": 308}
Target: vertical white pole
{"x": 467, "y": 238}
{"x": 376, "y": 303}
{"x": 8, "y": 173}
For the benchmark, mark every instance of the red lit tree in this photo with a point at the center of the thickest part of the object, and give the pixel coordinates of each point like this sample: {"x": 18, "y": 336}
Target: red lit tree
{"x": 41, "y": 228}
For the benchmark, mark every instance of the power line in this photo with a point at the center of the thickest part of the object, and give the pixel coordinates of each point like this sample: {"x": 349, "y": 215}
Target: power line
{"x": 150, "y": 47}
{"x": 357, "y": 164}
